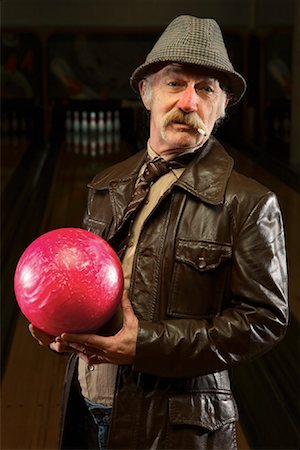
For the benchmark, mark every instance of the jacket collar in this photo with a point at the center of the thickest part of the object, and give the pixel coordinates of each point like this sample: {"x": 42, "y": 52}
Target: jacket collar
{"x": 205, "y": 177}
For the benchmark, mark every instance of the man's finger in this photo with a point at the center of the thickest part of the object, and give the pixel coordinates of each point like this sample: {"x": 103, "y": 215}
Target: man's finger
{"x": 40, "y": 336}
{"x": 84, "y": 340}
{"x": 128, "y": 312}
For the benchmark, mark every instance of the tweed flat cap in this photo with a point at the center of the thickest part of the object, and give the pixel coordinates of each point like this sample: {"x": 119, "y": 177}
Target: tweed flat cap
{"x": 192, "y": 40}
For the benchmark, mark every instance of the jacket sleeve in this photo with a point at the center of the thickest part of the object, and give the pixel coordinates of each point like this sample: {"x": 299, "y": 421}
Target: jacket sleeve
{"x": 254, "y": 322}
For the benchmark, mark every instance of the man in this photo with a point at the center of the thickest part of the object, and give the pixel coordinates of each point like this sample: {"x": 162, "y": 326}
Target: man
{"x": 204, "y": 265}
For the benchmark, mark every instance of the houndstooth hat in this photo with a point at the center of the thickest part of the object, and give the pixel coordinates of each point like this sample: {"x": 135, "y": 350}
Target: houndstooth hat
{"x": 192, "y": 40}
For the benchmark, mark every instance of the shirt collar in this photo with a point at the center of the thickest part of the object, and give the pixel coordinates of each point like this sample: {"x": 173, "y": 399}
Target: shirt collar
{"x": 152, "y": 154}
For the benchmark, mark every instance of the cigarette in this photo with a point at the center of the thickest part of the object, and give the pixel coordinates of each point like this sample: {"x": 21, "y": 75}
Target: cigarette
{"x": 201, "y": 131}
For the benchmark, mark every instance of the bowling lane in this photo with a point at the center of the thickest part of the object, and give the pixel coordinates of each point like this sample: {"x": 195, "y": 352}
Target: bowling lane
{"x": 22, "y": 206}
{"x": 12, "y": 152}
{"x": 33, "y": 378}
{"x": 79, "y": 160}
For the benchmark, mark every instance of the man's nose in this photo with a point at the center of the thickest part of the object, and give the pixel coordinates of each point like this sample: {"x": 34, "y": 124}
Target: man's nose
{"x": 188, "y": 100}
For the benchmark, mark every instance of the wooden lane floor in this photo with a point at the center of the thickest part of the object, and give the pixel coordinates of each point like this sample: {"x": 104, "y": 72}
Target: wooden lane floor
{"x": 12, "y": 151}
{"x": 32, "y": 382}
{"x": 76, "y": 166}
{"x": 27, "y": 174}
{"x": 33, "y": 377}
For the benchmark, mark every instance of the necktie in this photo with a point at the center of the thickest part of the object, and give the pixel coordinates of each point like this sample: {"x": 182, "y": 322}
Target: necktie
{"x": 154, "y": 169}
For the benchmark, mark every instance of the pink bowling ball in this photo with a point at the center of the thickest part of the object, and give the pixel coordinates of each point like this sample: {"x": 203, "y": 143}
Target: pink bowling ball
{"x": 68, "y": 280}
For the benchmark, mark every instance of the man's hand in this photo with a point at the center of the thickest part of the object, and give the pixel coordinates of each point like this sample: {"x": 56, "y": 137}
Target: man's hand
{"x": 52, "y": 342}
{"x": 118, "y": 349}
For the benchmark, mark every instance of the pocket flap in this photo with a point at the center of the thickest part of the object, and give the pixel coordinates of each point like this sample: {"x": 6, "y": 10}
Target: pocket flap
{"x": 94, "y": 225}
{"x": 202, "y": 255}
{"x": 206, "y": 410}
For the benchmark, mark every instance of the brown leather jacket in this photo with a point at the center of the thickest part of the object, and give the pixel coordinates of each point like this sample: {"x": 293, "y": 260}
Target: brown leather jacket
{"x": 209, "y": 288}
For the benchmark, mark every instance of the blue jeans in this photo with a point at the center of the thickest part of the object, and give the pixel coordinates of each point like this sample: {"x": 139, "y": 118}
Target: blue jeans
{"x": 101, "y": 414}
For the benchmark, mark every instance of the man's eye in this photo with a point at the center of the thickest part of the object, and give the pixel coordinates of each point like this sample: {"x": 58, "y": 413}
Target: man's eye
{"x": 208, "y": 89}
{"x": 173, "y": 83}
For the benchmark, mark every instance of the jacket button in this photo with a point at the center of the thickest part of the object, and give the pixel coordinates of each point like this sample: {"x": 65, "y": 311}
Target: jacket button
{"x": 201, "y": 263}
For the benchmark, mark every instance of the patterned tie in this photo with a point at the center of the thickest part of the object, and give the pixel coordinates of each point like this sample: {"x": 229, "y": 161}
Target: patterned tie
{"x": 154, "y": 169}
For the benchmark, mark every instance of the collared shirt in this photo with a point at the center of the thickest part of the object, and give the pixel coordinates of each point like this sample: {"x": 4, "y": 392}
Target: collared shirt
{"x": 98, "y": 385}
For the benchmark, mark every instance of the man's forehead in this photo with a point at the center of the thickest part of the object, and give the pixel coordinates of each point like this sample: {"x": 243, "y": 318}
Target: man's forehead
{"x": 191, "y": 69}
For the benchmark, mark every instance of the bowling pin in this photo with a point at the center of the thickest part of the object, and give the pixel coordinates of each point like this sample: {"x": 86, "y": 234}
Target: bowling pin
{"x": 76, "y": 122}
{"x": 85, "y": 143}
{"x": 101, "y": 124}
{"x": 93, "y": 123}
{"x": 116, "y": 122}
{"x": 84, "y": 122}
{"x": 109, "y": 123}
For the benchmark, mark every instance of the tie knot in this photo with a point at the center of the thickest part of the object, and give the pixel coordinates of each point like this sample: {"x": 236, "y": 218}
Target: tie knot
{"x": 155, "y": 168}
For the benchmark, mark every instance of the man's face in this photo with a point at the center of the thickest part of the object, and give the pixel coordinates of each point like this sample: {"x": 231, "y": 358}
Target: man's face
{"x": 184, "y": 102}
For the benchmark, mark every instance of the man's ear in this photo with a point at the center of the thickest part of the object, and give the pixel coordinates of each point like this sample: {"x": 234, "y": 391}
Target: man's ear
{"x": 144, "y": 94}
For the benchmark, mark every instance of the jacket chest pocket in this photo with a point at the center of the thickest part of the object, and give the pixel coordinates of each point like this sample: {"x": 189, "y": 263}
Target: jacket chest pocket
{"x": 200, "y": 278}
{"x": 96, "y": 226}
{"x": 99, "y": 217}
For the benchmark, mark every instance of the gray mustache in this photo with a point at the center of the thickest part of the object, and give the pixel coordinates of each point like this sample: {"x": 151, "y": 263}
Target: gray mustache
{"x": 190, "y": 119}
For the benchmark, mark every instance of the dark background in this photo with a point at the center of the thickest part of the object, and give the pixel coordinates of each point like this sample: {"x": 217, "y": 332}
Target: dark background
{"x": 62, "y": 56}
